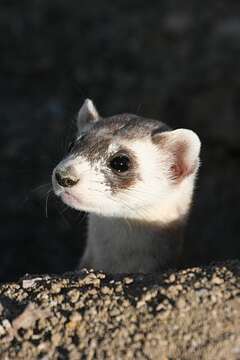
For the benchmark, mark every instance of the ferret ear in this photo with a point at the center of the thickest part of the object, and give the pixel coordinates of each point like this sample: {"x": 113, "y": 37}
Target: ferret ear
{"x": 183, "y": 147}
{"x": 87, "y": 114}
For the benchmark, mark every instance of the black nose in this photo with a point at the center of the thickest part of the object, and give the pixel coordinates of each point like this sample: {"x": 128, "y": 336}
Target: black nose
{"x": 65, "y": 180}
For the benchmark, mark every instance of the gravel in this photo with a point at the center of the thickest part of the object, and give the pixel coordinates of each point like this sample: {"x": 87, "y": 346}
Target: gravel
{"x": 187, "y": 314}
{"x": 175, "y": 61}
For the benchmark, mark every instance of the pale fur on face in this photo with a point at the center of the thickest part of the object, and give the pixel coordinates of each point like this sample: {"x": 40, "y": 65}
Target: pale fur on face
{"x": 155, "y": 194}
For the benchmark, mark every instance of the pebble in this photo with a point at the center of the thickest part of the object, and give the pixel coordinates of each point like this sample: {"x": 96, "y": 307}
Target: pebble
{"x": 128, "y": 280}
{"x": 74, "y": 295}
{"x": 172, "y": 278}
{"x": 106, "y": 290}
{"x": 56, "y": 288}
{"x": 217, "y": 280}
{"x": 28, "y": 283}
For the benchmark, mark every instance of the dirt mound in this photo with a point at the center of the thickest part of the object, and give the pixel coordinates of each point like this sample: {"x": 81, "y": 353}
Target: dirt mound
{"x": 187, "y": 314}
{"x": 175, "y": 61}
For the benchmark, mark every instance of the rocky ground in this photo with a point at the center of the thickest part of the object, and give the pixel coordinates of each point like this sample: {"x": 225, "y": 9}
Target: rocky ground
{"x": 188, "y": 314}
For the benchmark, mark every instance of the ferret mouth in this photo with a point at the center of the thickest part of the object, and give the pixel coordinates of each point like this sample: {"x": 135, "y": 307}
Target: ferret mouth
{"x": 71, "y": 200}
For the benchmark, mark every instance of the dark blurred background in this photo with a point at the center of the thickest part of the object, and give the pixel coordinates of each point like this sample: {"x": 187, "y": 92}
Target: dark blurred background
{"x": 178, "y": 61}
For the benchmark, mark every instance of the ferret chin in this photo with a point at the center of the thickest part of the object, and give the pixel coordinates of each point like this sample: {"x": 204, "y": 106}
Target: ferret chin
{"x": 71, "y": 200}
{"x": 135, "y": 176}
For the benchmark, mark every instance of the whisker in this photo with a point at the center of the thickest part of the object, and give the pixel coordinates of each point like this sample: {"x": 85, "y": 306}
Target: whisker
{"x": 131, "y": 190}
{"x": 138, "y": 109}
{"x": 28, "y": 195}
{"x": 64, "y": 210}
{"x": 40, "y": 187}
{"x": 64, "y": 218}
{"x": 46, "y": 203}
{"x": 84, "y": 215}
{"x": 114, "y": 200}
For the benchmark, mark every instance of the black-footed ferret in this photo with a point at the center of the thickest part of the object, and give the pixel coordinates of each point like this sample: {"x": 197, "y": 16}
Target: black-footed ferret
{"x": 135, "y": 177}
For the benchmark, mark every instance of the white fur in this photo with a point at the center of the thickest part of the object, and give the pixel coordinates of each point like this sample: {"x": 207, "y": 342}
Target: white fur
{"x": 134, "y": 229}
{"x": 129, "y": 242}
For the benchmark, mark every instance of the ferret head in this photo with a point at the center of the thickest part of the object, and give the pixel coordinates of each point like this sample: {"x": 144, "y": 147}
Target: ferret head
{"x": 127, "y": 166}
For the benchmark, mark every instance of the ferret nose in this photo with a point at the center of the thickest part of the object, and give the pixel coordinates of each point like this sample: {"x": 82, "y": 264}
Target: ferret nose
{"x": 65, "y": 179}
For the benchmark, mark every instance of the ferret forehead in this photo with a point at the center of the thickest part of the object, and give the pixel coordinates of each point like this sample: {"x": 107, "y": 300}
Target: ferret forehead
{"x": 124, "y": 125}
{"x": 106, "y": 135}
{"x": 131, "y": 126}
{"x": 91, "y": 147}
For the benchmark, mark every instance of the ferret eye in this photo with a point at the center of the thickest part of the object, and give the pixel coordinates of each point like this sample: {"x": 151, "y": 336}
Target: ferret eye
{"x": 70, "y": 146}
{"x": 120, "y": 163}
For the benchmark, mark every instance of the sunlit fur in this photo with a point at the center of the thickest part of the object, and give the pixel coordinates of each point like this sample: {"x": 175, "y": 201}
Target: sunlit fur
{"x": 139, "y": 228}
